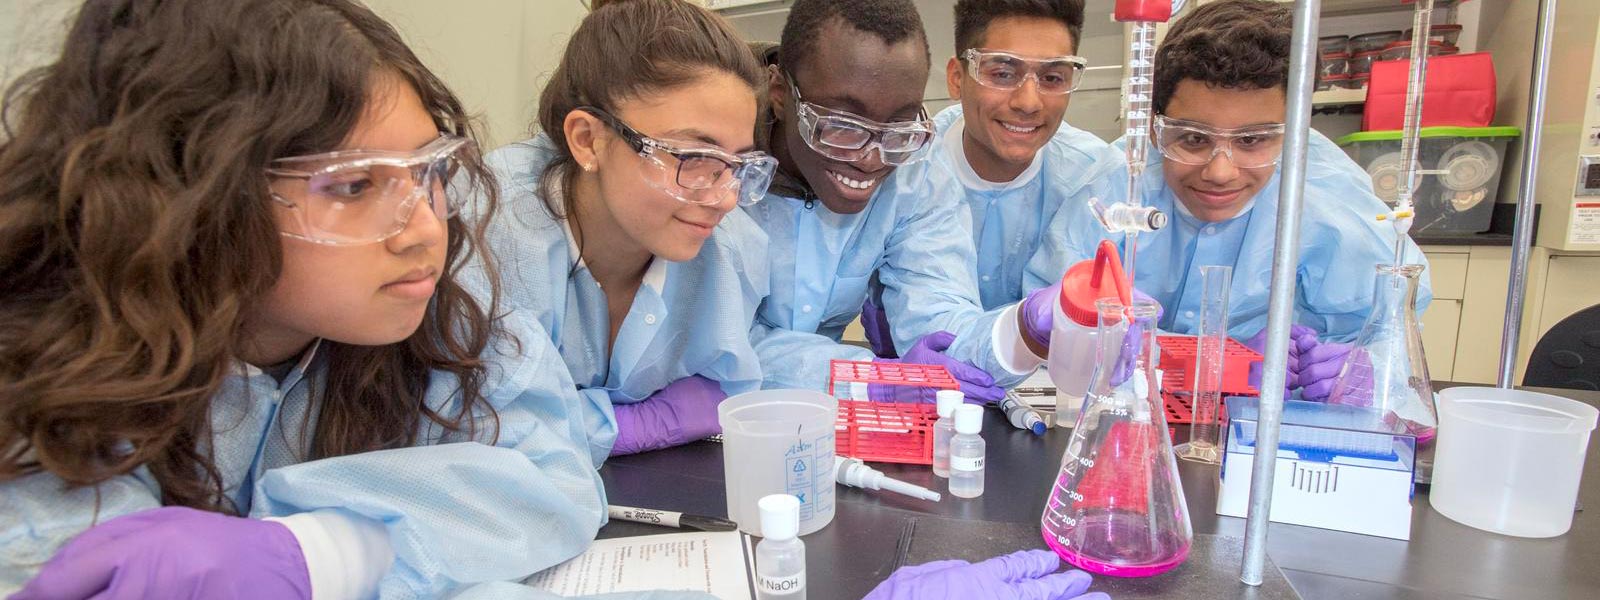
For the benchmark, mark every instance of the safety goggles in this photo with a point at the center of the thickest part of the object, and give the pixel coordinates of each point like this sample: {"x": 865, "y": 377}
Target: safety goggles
{"x": 1007, "y": 71}
{"x": 354, "y": 197}
{"x": 686, "y": 172}
{"x": 848, "y": 137}
{"x": 1193, "y": 143}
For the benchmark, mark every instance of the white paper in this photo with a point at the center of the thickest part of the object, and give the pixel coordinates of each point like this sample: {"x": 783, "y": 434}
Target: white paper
{"x": 1037, "y": 391}
{"x": 717, "y": 563}
{"x": 1585, "y": 225}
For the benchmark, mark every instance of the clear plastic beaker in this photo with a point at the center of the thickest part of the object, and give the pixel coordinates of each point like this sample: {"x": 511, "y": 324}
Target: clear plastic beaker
{"x": 1387, "y": 370}
{"x": 1510, "y": 461}
{"x": 779, "y": 442}
{"x": 1117, "y": 507}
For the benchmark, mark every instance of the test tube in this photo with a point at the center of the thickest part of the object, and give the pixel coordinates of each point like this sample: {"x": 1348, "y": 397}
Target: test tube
{"x": 1205, "y": 432}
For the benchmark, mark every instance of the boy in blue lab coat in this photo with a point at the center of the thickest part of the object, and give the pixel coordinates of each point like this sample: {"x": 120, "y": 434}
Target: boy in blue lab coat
{"x": 1220, "y": 105}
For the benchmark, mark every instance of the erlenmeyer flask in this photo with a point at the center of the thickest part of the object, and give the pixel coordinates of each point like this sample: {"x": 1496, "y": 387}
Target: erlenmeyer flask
{"x": 1387, "y": 369}
{"x": 1117, "y": 507}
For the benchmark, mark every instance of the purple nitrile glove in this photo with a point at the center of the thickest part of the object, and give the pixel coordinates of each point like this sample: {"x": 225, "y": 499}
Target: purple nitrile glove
{"x": 1025, "y": 575}
{"x": 1320, "y": 369}
{"x": 1038, "y": 313}
{"x": 175, "y": 552}
{"x": 876, "y": 323}
{"x": 1304, "y": 338}
{"x": 1289, "y": 379}
{"x": 1130, "y": 341}
{"x": 1301, "y": 338}
{"x": 976, "y": 383}
{"x": 1358, "y": 385}
{"x": 682, "y": 412}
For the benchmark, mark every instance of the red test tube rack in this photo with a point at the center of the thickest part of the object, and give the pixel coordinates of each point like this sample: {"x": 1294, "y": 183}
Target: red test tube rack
{"x": 892, "y": 432}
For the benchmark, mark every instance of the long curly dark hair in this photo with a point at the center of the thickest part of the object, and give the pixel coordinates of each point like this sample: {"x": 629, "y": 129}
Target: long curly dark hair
{"x": 136, "y": 236}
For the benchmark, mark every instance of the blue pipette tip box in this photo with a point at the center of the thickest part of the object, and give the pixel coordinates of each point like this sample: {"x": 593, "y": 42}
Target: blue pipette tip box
{"x": 1325, "y": 432}
{"x": 1339, "y": 467}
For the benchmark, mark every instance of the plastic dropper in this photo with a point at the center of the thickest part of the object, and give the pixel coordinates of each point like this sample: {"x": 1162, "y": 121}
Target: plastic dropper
{"x": 854, "y": 473}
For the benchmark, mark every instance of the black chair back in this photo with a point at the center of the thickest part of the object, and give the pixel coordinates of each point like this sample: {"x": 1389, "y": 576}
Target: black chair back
{"x": 1568, "y": 357}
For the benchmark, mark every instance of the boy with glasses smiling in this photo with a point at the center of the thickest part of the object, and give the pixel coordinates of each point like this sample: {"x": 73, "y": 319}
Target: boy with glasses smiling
{"x": 846, "y": 91}
{"x": 1220, "y": 103}
{"x": 1005, "y": 152}
{"x": 1014, "y": 71}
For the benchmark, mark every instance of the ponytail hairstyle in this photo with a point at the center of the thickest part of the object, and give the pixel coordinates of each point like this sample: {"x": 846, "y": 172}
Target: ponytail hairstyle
{"x": 136, "y": 237}
{"x": 626, "y": 49}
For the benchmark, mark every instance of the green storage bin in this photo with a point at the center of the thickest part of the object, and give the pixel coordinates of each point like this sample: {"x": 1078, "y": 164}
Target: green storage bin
{"x": 1460, "y": 197}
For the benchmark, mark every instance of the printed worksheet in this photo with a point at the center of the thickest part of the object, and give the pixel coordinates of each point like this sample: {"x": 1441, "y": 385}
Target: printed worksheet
{"x": 719, "y": 563}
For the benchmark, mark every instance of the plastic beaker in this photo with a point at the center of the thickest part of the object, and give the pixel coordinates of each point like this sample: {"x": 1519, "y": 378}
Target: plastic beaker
{"x": 1117, "y": 507}
{"x": 1509, "y": 461}
{"x": 778, "y": 442}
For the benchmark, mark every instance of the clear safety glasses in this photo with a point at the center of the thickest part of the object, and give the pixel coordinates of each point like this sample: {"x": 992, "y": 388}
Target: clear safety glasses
{"x": 685, "y": 172}
{"x": 1193, "y": 143}
{"x": 847, "y": 137}
{"x": 1007, "y": 71}
{"x": 354, "y": 197}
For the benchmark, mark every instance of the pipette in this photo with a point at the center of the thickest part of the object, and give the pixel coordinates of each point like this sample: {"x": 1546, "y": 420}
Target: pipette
{"x": 854, "y": 473}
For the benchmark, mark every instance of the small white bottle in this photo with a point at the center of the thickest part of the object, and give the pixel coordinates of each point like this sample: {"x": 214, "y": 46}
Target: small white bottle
{"x": 966, "y": 453}
{"x": 781, "y": 556}
{"x": 945, "y": 403}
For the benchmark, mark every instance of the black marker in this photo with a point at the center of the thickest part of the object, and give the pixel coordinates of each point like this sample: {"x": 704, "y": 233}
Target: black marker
{"x": 667, "y": 518}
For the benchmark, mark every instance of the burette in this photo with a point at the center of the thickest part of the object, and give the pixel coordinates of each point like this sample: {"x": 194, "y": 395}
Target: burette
{"x": 1129, "y": 216}
{"x": 1411, "y": 173}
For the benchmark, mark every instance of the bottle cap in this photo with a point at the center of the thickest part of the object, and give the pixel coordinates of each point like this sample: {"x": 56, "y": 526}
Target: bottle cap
{"x": 1092, "y": 280}
{"x": 780, "y": 516}
{"x": 946, "y": 401}
{"x": 969, "y": 419}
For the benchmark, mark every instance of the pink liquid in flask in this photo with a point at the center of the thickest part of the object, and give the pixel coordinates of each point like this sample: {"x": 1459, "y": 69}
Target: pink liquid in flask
{"x": 1117, "y": 507}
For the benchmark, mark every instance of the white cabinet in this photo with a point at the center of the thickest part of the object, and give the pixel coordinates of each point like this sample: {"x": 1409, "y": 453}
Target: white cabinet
{"x": 1441, "y": 322}
{"x": 1461, "y": 330}
{"x": 1572, "y": 284}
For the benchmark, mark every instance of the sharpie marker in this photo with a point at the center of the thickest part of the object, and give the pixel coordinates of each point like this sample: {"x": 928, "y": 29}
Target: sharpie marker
{"x": 667, "y": 518}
